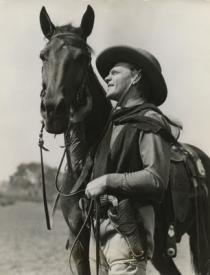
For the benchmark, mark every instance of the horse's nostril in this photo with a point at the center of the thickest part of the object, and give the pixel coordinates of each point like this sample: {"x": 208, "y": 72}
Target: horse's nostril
{"x": 48, "y": 108}
{"x": 60, "y": 108}
{"x": 51, "y": 109}
{"x": 43, "y": 108}
{"x": 44, "y": 86}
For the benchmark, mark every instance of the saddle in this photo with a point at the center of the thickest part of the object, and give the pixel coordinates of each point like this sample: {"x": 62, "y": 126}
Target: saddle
{"x": 187, "y": 175}
{"x": 186, "y": 184}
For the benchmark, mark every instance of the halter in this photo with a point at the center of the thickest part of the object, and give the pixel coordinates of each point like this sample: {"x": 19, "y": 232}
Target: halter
{"x": 66, "y": 137}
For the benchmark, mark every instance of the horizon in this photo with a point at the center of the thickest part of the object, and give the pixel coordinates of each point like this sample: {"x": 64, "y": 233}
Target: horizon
{"x": 176, "y": 32}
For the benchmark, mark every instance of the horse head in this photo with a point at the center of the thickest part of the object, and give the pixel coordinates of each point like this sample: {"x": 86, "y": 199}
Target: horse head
{"x": 66, "y": 60}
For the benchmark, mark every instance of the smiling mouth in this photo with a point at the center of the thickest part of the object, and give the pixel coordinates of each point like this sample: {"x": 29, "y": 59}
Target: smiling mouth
{"x": 110, "y": 85}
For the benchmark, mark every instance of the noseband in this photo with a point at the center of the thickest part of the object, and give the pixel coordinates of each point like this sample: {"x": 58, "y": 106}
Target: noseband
{"x": 72, "y": 41}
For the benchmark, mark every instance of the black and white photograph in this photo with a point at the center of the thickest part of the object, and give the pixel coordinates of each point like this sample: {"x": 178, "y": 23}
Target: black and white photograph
{"x": 105, "y": 137}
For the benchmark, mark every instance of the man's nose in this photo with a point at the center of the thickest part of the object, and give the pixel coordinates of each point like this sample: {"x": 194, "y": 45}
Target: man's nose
{"x": 107, "y": 78}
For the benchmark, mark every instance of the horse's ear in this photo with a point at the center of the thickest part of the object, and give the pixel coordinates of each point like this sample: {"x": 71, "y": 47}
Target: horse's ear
{"x": 46, "y": 25}
{"x": 87, "y": 21}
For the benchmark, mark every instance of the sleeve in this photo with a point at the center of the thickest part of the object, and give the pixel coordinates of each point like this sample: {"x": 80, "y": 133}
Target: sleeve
{"x": 78, "y": 146}
{"x": 150, "y": 182}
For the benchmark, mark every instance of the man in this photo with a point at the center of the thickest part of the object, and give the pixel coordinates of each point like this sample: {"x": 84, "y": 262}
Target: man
{"x": 131, "y": 164}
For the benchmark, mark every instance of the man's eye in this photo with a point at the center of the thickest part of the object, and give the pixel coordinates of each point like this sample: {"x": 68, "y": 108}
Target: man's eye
{"x": 114, "y": 72}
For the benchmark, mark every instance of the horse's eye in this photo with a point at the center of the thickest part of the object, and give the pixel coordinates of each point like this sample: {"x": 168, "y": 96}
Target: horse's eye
{"x": 43, "y": 56}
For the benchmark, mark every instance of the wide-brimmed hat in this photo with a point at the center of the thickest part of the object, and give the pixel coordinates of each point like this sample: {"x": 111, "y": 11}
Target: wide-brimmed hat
{"x": 139, "y": 58}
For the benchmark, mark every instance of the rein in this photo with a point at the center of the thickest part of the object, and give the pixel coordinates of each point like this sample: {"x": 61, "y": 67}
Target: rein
{"x": 41, "y": 146}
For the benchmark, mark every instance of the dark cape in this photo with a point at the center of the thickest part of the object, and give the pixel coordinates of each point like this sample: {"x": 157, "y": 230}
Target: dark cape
{"x": 124, "y": 156}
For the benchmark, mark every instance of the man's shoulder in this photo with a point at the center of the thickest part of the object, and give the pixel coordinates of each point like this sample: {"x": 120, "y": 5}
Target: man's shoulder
{"x": 152, "y": 121}
{"x": 172, "y": 125}
{"x": 157, "y": 116}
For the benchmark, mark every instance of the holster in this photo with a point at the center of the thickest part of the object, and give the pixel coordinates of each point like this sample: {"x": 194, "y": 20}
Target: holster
{"x": 124, "y": 221}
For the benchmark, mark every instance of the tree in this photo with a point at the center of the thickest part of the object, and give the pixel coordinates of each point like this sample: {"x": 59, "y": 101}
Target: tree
{"x": 26, "y": 182}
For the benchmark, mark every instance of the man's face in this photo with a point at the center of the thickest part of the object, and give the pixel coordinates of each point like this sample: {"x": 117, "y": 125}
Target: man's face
{"x": 118, "y": 80}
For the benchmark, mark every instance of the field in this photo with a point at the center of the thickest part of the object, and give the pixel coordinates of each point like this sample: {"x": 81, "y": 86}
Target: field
{"x": 28, "y": 248}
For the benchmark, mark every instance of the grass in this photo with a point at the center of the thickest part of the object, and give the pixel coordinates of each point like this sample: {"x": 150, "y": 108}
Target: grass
{"x": 28, "y": 248}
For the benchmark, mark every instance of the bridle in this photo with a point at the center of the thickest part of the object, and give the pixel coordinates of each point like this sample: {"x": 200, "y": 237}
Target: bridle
{"x": 66, "y": 152}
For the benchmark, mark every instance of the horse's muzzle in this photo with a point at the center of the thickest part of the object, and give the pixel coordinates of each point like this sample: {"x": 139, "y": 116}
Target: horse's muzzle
{"x": 55, "y": 116}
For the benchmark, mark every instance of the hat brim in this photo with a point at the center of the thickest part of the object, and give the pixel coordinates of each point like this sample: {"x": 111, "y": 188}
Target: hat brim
{"x": 140, "y": 58}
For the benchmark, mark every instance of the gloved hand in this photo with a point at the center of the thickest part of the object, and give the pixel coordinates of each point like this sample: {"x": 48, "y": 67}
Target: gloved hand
{"x": 80, "y": 114}
{"x": 96, "y": 187}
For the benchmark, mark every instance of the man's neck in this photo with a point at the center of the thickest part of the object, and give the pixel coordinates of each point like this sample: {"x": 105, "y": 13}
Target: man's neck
{"x": 131, "y": 98}
{"x": 133, "y": 102}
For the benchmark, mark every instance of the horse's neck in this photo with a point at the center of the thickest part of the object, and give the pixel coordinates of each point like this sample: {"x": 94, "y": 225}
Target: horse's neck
{"x": 94, "y": 84}
{"x": 101, "y": 108}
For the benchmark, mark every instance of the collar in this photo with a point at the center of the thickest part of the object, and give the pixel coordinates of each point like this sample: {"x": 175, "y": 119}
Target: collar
{"x": 123, "y": 112}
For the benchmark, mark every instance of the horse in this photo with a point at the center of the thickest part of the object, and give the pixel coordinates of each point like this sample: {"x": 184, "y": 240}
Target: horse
{"x": 67, "y": 77}
{"x": 68, "y": 44}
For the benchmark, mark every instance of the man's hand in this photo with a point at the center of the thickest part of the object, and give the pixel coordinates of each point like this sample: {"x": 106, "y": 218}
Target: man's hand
{"x": 96, "y": 187}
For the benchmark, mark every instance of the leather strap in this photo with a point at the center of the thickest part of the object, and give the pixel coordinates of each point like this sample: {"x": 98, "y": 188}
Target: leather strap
{"x": 41, "y": 146}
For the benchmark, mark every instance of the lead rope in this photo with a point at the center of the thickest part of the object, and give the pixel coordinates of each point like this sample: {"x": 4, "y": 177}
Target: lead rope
{"x": 41, "y": 146}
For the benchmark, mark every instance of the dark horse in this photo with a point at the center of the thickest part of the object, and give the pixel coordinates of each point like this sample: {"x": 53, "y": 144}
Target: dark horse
{"x": 67, "y": 74}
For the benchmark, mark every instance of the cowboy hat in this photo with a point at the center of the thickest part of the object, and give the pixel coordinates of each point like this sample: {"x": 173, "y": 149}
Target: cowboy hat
{"x": 139, "y": 58}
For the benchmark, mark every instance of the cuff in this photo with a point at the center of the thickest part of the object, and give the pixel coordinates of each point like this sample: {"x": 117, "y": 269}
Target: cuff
{"x": 115, "y": 183}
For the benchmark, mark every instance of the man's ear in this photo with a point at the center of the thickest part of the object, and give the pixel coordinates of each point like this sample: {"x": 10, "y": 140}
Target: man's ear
{"x": 47, "y": 26}
{"x": 87, "y": 21}
{"x": 137, "y": 77}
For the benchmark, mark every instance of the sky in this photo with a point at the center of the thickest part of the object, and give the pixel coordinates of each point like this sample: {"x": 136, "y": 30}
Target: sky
{"x": 177, "y": 32}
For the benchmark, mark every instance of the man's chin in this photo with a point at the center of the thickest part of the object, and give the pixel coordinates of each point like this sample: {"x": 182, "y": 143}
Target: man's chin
{"x": 111, "y": 96}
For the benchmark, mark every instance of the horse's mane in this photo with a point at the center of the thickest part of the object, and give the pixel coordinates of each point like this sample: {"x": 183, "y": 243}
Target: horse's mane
{"x": 77, "y": 35}
{"x": 101, "y": 109}
{"x": 68, "y": 28}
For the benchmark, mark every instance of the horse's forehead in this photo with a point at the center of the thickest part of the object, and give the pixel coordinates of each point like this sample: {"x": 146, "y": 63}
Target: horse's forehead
{"x": 52, "y": 45}
{"x": 74, "y": 45}
{"x": 55, "y": 44}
